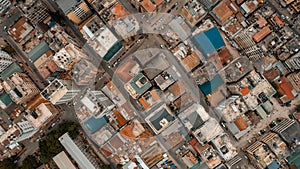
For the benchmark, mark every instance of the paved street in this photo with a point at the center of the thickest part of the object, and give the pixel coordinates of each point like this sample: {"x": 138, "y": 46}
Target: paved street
{"x": 21, "y": 55}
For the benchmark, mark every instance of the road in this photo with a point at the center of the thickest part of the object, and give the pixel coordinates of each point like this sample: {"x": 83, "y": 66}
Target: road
{"x": 21, "y": 55}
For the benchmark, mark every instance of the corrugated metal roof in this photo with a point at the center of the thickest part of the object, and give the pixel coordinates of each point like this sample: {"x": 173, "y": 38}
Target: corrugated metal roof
{"x": 208, "y": 41}
{"x": 38, "y": 51}
{"x": 10, "y": 70}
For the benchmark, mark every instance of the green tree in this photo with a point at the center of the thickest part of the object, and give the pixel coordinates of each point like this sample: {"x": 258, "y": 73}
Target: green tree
{"x": 8, "y": 49}
{"x": 298, "y": 108}
{"x": 30, "y": 162}
{"x": 8, "y": 163}
{"x": 50, "y": 145}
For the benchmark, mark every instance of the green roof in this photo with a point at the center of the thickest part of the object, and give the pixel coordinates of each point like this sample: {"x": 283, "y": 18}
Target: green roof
{"x": 38, "y": 51}
{"x": 143, "y": 88}
{"x": 112, "y": 51}
{"x": 294, "y": 159}
{"x": 4, "y": 97}
{"x": 10, "y": 70}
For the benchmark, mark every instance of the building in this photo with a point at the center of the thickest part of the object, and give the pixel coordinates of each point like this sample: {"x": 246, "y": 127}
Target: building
{"x": 194, "y": 116}
{"x": 5, "y": 60}
{"x": 187, "y": 57}
{"x": 209, "y": 3}
{"x": 84, "y": 72}
{"x": 75, "y": 152}
{"x": 261, "y": 155}
{"x": 96, "y": 103}
{"x": 294, "y": 79}
{"x": 138, "y": 85}
{"x": 37, "y": 13}
{"x": 222, "y": 12}
{"x": 208, "y": 42}
{"x": 148, "y": 5}
{"x": 225, "y": 147}
{"x": 277, "y": 145}
{"x": 9, "y": 139}
{"x": 101, "y": 5}
{"x": 76, "y": 10}
{"x": 193, "y": 12}
{"x": 20, "y": 87}
{"x": 42, "y": 114}
{"x": 4, "y": 5}
{"x": 59, "y": 92}
{"x": 248, "y": 7}
{"x": 100, "y": 37}
{"x": 293, "y": 63}
{"x": 208, "y": 131}
{"x": 160, "y": 118}
{"x": 21, "y": 31}
{"x": 286, "y": 90}
{"x": 232, "y": 112}
{"x": 68, "y": 56}
{"x": 207, "y": 153}
{"x": 126, "y": 26}
{"x": 27, "y": 130}
{"x": 288, "y": 130}
{"x": 63, "y": 161}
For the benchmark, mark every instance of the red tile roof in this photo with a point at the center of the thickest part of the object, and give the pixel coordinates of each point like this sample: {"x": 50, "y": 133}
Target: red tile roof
{"x": 285, "y": 88}
{"x": 148, "y": 5}
{"x": 278, "y": 20}
{"x": 271, "y": 74}
{"x": 262, "y": 34}
{"x": 245, "y": 91}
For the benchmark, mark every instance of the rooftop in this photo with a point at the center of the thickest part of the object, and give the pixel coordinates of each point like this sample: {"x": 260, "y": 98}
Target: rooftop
{"x": 138, "y": 85}
{"x": 208, "y": 41}
{"x": 75, "y": 152}
{"x": 222, "y": 12}
{"x": 160, "y": 119}
{"x": 208, "y": 131}
{"x": 63, "y": 161}
{"x": 38, "y": 51}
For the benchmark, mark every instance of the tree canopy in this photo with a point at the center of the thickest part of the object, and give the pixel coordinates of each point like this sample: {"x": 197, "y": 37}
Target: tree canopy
{"x": 50, "y": 145}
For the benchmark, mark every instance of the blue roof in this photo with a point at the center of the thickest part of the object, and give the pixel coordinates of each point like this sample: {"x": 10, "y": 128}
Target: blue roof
{"x": 94, "y": 124}
{"x": 208, "y": 41}
{"x": 273, "y": 165}
{"x": 113, "y": 50}
{"x": 209, "y": 86}
{"x": 38, "y": 51}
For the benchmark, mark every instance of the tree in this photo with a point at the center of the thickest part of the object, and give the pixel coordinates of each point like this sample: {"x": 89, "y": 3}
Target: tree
{"x": 29, "y": 163}
{"x": 50, "y": 145}
{"x": 8, "y": 49}
{"x": 8, "y": 163}
{"x": 298, "y": 108}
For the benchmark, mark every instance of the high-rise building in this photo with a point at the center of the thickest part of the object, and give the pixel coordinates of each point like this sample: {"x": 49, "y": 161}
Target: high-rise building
{"x": 20, "y": 87}
{"x": 76, "y": 10}
{"x": 37, "y": 12}
{"x": 4, "y": 4}
{"x": 59, "y": 91}
{"x": 5, "y": 60}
